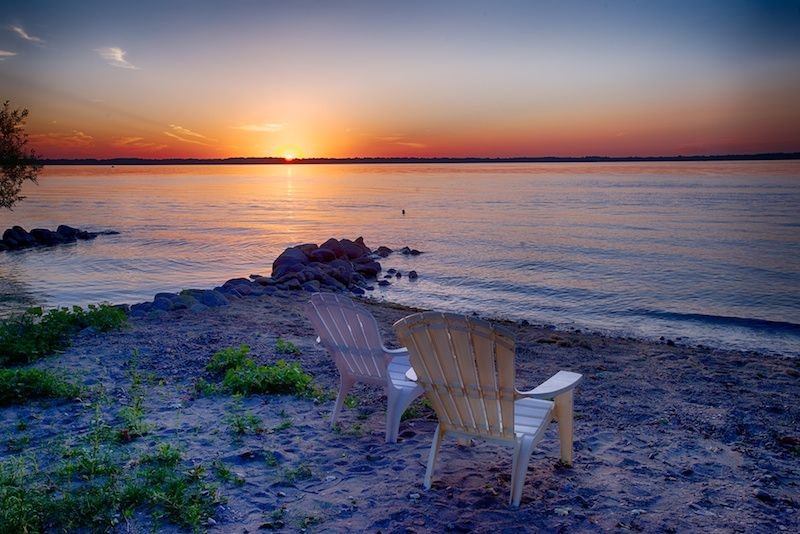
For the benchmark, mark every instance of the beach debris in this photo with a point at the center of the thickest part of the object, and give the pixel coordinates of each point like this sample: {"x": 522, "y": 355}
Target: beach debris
{"x": 563, "y": 511}
{"x": 17, "y": 237}
{"x": 763, "y": 496}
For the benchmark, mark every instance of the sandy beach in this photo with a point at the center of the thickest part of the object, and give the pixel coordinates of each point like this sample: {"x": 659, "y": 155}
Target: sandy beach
{"x": 667, "y": 438}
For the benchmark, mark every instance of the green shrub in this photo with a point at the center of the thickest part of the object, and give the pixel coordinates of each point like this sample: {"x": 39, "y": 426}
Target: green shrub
{"x": 34, "y": 333}
{"x": 228, "y": 358}
{"x": 250, "y": 378}
{"x": 18, "y": 386}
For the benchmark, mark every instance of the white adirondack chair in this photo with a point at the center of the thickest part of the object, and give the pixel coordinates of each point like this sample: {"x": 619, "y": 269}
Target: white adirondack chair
{"x": 466, "y": 366}
{"x": 350, "y": 334}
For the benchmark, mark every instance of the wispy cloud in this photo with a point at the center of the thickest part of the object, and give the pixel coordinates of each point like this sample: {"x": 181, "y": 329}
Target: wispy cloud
{"x": 401, "y": 140}
{"x": 115, "y": 57}
{"x": 76, "y": 138}
{"x": 265, "y": 127}
{"x": 5, "y": 54}
{"x": 186, "y": 135}
{"x": 19, "y": 30}
{"x": 180, "y": 130}
{"x": 136, "y": 142}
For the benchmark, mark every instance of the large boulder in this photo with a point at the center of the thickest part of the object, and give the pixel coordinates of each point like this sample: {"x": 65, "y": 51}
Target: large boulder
{"x": 17, "y": 237}
{"x": 291, "y": 260}
{"x": 360, "y": 242}
{"x": 322, "y": 255}
{"x": 352, "y": 249}
{"x": 369, "y": 269}
{"x": 46, "y": 237}
{"x": 341, "y": 270}
{"x": 67, "y": 232}
{"x": 334, "y": 246}
{"x": 383, "y": 252}
{"x": 212, "y": 298}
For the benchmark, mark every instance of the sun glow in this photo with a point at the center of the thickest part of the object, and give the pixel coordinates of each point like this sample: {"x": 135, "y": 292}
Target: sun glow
{"x": 289, "y": 152}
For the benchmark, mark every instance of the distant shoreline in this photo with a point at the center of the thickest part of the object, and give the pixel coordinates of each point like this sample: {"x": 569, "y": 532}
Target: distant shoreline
{"x": 773, "y": 156}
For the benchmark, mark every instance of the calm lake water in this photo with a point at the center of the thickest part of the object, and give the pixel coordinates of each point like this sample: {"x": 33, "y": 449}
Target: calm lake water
{"x": 708, "y": 252}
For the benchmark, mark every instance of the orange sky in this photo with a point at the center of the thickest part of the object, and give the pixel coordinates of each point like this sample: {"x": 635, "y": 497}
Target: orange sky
{"x": 419, "y": 79}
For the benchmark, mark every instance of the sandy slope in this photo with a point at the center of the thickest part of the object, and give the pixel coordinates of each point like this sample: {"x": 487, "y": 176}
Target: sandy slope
{"x": 667, "y": 438}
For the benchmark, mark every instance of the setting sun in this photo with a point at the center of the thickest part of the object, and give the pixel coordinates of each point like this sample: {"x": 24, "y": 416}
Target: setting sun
{"x": 289, "y": 152}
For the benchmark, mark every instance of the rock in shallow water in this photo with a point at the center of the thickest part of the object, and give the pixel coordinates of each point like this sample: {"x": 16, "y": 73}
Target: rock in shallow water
{"x": 17, "y": 237}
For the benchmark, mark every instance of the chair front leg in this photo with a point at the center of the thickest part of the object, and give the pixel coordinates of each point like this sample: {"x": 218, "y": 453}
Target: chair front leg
{"x": 345, "y": 385}
{"x": 564, "y": 415}
{"x": 437, "y": 442}
{"x": 397, "y": 401}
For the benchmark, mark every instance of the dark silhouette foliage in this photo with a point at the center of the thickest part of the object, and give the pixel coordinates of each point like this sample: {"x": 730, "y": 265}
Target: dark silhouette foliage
{"x": 19, "y": 164}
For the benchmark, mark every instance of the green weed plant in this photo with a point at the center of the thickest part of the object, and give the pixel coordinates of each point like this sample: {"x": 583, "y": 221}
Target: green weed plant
{"x": 35, "y": 333}
{"x": 284, "y": 346}
{"x": 96, "y": 489}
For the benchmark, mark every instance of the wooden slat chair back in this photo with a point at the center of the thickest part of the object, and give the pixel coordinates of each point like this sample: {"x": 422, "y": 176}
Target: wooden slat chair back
{"x": 351, "y": 336}
{"x": 466, "y": 367}
{"x": 470, "y": 374}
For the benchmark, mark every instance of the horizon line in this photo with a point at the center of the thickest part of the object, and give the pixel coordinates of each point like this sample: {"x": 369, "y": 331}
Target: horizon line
{"x": 272, "y": 160}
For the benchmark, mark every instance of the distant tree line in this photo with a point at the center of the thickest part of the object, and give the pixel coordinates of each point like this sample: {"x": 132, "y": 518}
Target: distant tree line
{"x": 522, "y": 159}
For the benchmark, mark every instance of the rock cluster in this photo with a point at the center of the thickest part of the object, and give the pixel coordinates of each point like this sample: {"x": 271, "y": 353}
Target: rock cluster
{"x": 336, "y": 265}
{"x": 17, "y": 237}
{"x": 194, "y": 299}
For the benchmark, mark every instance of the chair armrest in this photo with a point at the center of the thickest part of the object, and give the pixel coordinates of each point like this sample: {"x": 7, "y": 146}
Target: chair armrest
{"x": 557, "y": 384}
{"x": 393, "y": 352}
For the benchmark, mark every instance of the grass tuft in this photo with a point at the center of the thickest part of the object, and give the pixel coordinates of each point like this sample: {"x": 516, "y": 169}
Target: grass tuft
{"x": 18, "y": 386}
{"x": 33, "y": 334}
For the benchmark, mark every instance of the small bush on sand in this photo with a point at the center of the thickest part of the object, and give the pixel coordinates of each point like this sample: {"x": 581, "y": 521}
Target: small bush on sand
{"x": 18, "y": 386}
{"x": 250, "y": 378}
{"x": 228, "y": 358}
{"x": 243, "y": 376}
{"x": 34, "y": 333}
